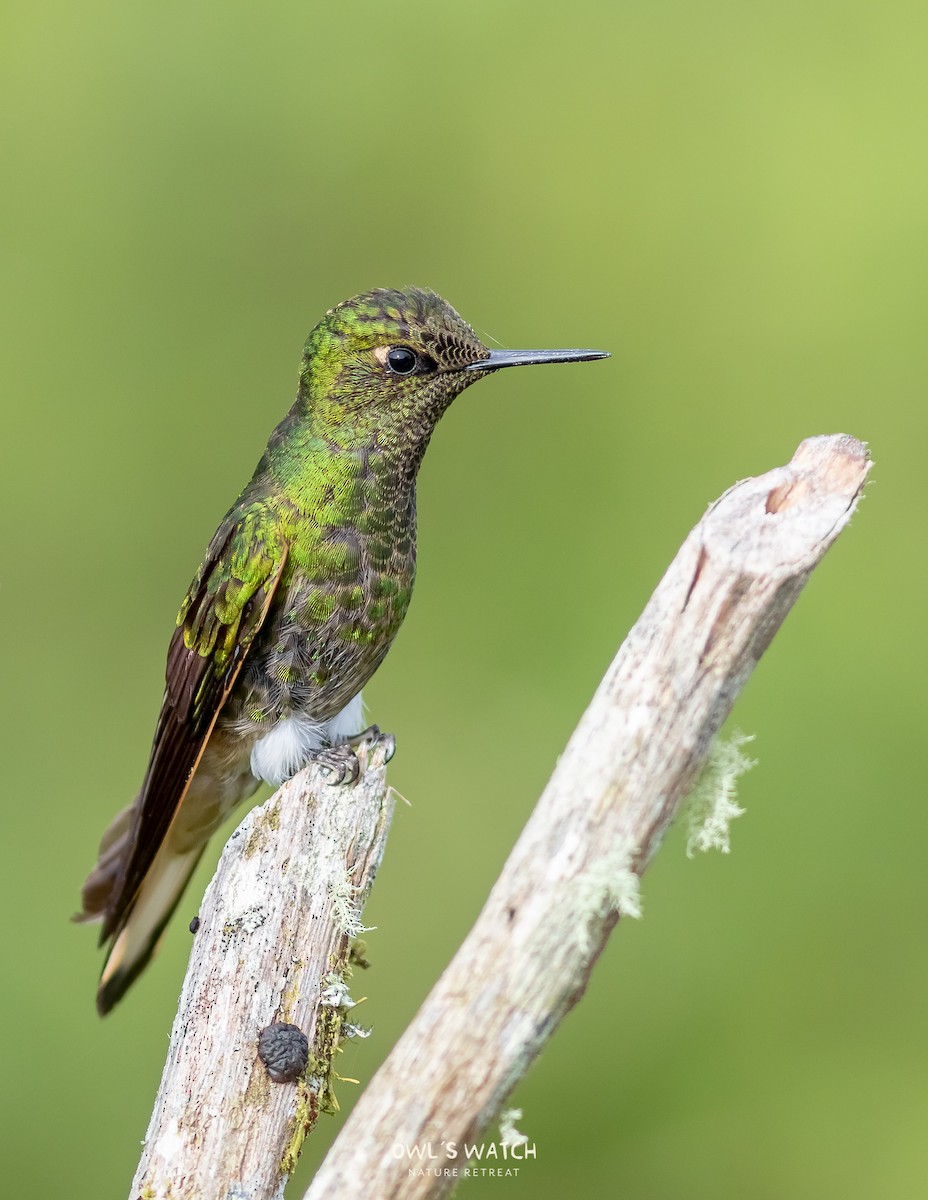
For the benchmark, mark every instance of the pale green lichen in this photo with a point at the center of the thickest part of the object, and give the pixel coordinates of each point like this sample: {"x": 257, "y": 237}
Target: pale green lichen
{"x": 356, "y": 1031}
{"x": 508, "y": 1134}
{"x": 343, "y": 895}
{"x": 335, "y": 993}
{"x": 625, "y": 888}
{"x": 610, "y": 886}
{"x": 711, "y": 806}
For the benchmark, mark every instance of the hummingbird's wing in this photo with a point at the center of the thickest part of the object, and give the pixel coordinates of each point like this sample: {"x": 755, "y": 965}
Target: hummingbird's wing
{"x": 223, "y": 611}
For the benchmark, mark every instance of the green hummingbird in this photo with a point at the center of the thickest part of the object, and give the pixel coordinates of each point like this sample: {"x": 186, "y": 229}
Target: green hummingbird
{"x": 299, "y": 596}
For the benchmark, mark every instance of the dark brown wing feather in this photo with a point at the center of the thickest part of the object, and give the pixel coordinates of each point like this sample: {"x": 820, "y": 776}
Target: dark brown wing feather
{"x": 197, "y": 687}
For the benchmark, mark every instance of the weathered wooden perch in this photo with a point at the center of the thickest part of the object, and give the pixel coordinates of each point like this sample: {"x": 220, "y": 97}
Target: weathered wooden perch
{"x": 616, "y": 788}
{"x": 222, "y": 1129}
{"x": 272, "y": 945}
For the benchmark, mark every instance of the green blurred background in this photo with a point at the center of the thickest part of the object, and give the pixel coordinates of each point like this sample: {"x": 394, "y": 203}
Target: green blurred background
{"x": 730, "y": 197}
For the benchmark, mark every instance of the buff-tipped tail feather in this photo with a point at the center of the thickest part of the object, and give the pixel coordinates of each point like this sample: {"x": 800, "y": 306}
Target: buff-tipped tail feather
{"x": 137, "y": 936}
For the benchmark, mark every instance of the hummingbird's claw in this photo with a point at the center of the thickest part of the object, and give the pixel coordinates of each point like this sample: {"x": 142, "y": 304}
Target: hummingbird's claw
{"x": 339, "y": 762}
{"x": 372, "y": 737}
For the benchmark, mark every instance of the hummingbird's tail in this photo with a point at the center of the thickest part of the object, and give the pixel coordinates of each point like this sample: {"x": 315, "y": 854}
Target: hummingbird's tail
{"x": 136, "y": 938}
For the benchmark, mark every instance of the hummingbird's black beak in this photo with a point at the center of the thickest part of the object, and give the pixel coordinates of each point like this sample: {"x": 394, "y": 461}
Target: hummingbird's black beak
{"x": 525, "y": 358}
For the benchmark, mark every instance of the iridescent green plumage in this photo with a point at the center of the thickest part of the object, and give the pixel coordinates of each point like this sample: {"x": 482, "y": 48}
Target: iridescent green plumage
{"x": 299, "y": 597}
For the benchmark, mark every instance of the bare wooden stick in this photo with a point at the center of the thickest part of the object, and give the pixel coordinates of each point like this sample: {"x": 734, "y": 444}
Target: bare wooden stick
{"x": 272, "y": 945}
{"x": 618, "y": 785}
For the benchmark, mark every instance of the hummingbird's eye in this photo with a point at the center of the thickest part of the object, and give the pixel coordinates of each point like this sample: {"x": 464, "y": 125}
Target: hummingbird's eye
{"x": 401, "y": 360}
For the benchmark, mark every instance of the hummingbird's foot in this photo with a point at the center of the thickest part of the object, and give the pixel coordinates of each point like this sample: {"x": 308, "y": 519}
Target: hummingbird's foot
{"x": 343, "y": 762}
{"x": 339, "y": 762}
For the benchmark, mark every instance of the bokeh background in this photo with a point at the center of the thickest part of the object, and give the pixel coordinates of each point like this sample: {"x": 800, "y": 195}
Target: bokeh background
{"x": 733, "y": 198}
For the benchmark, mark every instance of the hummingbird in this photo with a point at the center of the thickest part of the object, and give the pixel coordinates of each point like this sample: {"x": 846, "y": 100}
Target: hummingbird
{"x": 298, "y": 599}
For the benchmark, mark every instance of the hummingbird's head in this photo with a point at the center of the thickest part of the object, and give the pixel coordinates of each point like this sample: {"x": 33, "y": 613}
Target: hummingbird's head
{"x": 389, "y": 362}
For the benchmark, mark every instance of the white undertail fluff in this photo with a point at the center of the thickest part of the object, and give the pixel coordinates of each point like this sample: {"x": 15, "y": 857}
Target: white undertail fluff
{"x": 287, "y": 748}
